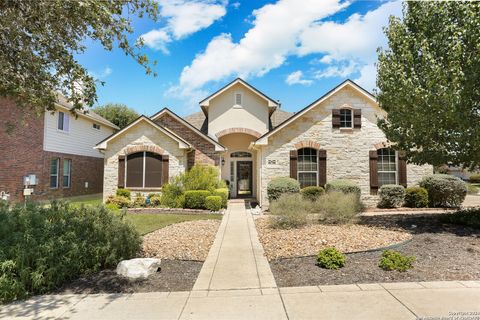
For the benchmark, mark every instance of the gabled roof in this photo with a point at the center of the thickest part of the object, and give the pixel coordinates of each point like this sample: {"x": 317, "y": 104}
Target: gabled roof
{"x": 182, "y": 144}
{"x": 262, "y": 140}
{"x": 271, "y": 103}
{"x": 218, "y": 146}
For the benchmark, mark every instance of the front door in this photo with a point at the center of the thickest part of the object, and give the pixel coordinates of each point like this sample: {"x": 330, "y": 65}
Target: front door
{"x": 244, "y": 178}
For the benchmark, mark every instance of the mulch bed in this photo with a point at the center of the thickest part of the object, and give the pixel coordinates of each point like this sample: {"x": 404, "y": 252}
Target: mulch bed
{"x": 443, "y": 252}
{"x": 175, "y": 275}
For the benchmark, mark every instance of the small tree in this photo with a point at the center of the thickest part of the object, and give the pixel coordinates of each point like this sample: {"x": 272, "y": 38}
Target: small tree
{"x": 116, "y": 113}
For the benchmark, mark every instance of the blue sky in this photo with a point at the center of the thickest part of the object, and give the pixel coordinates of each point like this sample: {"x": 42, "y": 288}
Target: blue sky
{"x": 292, "y": 50}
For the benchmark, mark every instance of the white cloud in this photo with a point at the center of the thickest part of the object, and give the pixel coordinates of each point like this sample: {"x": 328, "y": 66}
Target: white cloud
{"x": 183, "y": 18}
{"x": 102, "y": 74}
{"x": 296, "y": 78}
{"x": 236, "y": 5}
{"x": 341, "y": 70}
{"x": 368, "y": 77}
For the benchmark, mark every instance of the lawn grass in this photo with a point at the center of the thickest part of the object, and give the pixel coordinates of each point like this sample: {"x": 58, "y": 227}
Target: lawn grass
{"x": 146, "y": 223}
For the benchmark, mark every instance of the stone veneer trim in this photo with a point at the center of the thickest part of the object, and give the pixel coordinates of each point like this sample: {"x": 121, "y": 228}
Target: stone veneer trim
{"x": 251, "y": 132}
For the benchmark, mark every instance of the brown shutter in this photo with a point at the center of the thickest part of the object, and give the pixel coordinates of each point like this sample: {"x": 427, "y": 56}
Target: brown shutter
{"x": 153, "y": 170}
{"x": 322, "y": 167}
{"x": 293, "y": 164}
{"x": 121, "y": 172}
{"x": 336, "y": 118}
{"x": 402, "y": 168}
{"x": 373, "y": 171}
{"x": 357, "y": 118}
{"x": 165, "y": 176}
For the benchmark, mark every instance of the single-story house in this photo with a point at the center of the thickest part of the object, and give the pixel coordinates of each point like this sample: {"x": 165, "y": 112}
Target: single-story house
{"x": 251, "y": 140}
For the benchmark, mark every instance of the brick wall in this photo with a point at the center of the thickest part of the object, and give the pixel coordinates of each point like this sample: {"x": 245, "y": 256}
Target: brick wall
{"x": 204, "y": 150}
{"x": 21, "y": 145}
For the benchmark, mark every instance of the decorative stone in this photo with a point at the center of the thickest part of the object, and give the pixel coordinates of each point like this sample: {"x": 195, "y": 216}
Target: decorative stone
{"x": 138, "y": 268}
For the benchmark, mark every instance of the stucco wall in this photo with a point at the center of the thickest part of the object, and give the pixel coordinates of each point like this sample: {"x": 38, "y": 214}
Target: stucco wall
{"x": 347, "y": 150}
{"x": 141, "y": 134}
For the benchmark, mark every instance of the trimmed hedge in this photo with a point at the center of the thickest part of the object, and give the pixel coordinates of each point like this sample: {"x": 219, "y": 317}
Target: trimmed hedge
{"x": 119, "y": 201}
{"x": 123, "y": 193}
{"x": 444, "y": 190}
{"x": 43, "y": 247}
{"x": 213, "y": 203}
{"x": 312, "y": 193}
{"x": 345, "y": 186}
{"x": 394, "y": 260}
{"x": 331, "y": 258}
{"x": 195, "y": 199}
{"x": 391, "y": 196}
{"x": 467, "y": 217}
{"x": 416, "y": 197}
{"x": 281, "y": 185}
{"x": 223, "y": 193}
{"x": 474, "y": 178}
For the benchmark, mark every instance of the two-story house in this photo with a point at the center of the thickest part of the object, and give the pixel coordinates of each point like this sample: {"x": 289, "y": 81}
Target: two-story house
{"x": 50, "y": 155}
{"x": 246, "y": 134}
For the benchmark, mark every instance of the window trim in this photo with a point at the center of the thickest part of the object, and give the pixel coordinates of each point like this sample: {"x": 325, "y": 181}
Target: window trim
{"x": 65, "y": 116}
{"x": 352, "y": 115}
{"x": 303, "y": 171}
{"x": 69, "y": 161}
{"x": 396, "y": 167}
{"x": 96, "y": 126}
{"x": 54, "y": 175}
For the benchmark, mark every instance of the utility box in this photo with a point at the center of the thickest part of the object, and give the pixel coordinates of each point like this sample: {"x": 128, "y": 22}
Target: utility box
{"x": 30, "y": 180}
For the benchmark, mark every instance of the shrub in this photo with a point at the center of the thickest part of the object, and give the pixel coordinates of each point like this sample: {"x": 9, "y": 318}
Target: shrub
{"x": 119, "y": 201}
{"x": 195, "y": 199}
{"x": 42, "y": 247}
{"x": 337, "y": 208}
{"x": 202, "y": 177}
{"x": 139, "y": 201}
{"x": 472, "y": 189}
{"x": 155, "y": 201}
{"x": 123, "y": 193}
{"x": 289, "y": 211}
{"x": 213, "y": 203}
{"x": 172, "y": 193}
{"x": 331, "y": 258}
{"x": 344, "y": 186}
{"x": 312, "y": 193}
{"x": 394, "y": 260}
{"x": 474, "y": 178}
{"x": 281, "y": 185}
{"x": 416, "y": 197}
{"x": 223, "y": 193}
{"x": 444, "y": 190}
{"x": 391, "y": 196}
{"x": 468, "y": 217}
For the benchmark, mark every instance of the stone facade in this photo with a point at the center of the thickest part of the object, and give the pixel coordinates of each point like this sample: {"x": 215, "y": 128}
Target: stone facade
{"x": 143, "y": 134}
{"x": 347, "y": 149}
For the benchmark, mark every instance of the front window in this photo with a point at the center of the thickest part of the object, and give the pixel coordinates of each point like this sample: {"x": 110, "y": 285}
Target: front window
{"x": 387, "y": 166}
{"x": 307, "y": 167}
{"x": 67, "y": 169}
{"x": 144, "y": 170}
{"x": 63, "y": 121}
{"x": 346, "y": 118}
{"x": 54, "y": 163}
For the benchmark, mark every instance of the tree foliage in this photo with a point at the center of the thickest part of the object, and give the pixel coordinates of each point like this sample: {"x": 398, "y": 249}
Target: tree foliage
{"x": 117, "y": 113}
{"x": 39, "y": 40}
{"x": 429, "y": 82}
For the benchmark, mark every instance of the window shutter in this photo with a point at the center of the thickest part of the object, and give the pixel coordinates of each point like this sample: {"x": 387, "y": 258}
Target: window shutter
{"x": 153, "y": 170}
{"x": 336, "y": 118}
{"x": 402, "y": 168}
{"x": 293, "y": 164}
{"x": 121, "y": 172}
{"x": 322, "y": 167}
{"x": 165, "y": 160}
{"x": 357, "y": 118}
{"x": 135, "y": 170}
{"x": 373, "y": 171}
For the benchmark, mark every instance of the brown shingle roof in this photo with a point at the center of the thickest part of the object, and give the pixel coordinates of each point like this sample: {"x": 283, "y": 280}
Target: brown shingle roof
{"x": 278, "y": 116}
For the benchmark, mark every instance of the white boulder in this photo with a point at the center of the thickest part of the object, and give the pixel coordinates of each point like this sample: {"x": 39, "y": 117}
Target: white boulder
{"x": 138, "y": 268}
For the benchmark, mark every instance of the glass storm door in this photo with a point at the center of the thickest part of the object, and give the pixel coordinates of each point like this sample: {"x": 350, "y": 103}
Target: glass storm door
{"x": 244, "y": 178}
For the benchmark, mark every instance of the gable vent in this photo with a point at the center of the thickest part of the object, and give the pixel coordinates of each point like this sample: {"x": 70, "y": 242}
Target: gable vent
{"x": 238, "y": 99}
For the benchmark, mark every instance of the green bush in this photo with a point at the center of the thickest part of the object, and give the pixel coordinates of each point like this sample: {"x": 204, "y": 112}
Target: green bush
{"x": 123, "y": 193}
{"x": 223, "y": 193}
{"x": 394, "y": 260}
{"x": 474, "y": 178}
{"x": 195, "y": 199}
{"x": 289, "y": 211}
{"x": 312, "y": 193}
{"x": 468, "y": 217}
{"x": 42, "y": 247}
{"x": 472, "y": 189}
{"x": 391, "y": 196}
{"x": 345, "y": 186}
{"x": 139, "y": 201}
{"x": 444, "y": 190}
{"x": 202, "y": 177}
{"x": 337, "y": 208}
{"x": 213, "y": 203}
{"x": 416, "y": 197}
{"x": 155, "y": 201}
{"x": 172, "y": 193}
{"x": 281, "y": 185}
{"x": 119, "y": 201}
{"x": 331, "y": 258}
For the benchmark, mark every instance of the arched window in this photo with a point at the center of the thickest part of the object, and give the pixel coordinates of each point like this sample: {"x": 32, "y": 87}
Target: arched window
{"x": 144, "y": 170}
{"x": 346, "y": 118}
{"x": 387, "y": 166}
{"x": 307, "y": 167}
{"x": 240, "y": 154}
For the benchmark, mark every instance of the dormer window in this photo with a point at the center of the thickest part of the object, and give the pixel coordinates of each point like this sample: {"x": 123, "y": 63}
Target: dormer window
{"x": 346, "y": 118}
{"x": 238, "y": 99}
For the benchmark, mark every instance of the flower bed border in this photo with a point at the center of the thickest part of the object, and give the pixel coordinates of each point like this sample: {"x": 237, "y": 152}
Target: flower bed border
{"x": 172, "y": 211}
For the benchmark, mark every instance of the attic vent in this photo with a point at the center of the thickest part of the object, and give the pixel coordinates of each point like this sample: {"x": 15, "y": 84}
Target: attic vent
{"x": 238, "y": 99}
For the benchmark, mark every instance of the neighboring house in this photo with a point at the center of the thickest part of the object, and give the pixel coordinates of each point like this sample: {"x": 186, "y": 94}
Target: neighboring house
{"x": 246, "y": 134}
{"x": 55, "y": 150}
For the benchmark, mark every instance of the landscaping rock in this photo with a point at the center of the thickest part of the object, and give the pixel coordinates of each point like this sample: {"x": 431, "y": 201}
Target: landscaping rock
{"x": 138, "y": 268}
